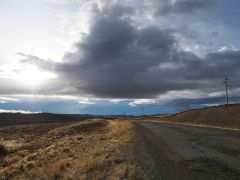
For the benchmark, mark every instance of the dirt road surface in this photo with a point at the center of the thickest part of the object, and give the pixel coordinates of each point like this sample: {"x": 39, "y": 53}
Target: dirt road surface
{"x": 184, "y": 152}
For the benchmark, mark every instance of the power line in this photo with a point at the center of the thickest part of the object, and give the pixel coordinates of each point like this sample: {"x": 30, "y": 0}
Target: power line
{"x": 227, "y": 85}
{"x": 144, "y": 106}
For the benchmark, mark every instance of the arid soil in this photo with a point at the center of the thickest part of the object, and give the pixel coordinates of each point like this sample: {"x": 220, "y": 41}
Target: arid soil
{"x": 118, "y": 149}
{"x": 91, "y": 149}
{"x": 185, "y": 153}
{"x": 224, "y": 116}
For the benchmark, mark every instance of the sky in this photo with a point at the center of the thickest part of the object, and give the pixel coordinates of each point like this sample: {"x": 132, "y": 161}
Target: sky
{"x": 118, "y": 56}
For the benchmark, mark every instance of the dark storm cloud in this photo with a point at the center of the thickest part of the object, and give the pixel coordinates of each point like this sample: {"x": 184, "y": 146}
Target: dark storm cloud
{"x": 166, "y": 7}
{"x": 117, "y": 59}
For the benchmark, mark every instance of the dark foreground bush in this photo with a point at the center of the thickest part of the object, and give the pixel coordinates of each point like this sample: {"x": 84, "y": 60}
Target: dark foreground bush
{"x": 3, "y": 150}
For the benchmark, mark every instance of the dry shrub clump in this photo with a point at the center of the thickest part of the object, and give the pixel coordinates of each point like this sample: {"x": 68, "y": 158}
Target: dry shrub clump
{"x": 3, "y": 150}
{"x": 89, "y": 163}
{"x": 52, "y": 171}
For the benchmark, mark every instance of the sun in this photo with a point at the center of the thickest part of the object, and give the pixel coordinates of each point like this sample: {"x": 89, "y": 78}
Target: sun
{"x": 30, "y": 77}
{"x": 33, "y": 76}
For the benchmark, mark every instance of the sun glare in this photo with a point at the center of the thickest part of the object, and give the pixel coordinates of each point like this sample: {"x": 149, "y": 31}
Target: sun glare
{"x": 34, "y": 77}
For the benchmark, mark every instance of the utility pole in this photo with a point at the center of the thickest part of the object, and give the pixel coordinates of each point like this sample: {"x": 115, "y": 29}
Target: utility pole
{"x": 227, "y": 85}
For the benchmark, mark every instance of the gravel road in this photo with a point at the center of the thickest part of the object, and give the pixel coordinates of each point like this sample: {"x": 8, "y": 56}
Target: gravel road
{"x": 184, "y": 152}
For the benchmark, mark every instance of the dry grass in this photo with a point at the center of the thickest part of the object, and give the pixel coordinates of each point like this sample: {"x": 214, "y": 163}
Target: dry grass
{"x": 87, "y": 164}
{"x": 224, "y": 117}
{"x": 94, "y": 149}
{"x": 106, "y": 154}
{"x": 51, "y": 171}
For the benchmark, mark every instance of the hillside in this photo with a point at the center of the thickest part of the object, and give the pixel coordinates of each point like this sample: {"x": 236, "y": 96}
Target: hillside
{"x": 223, "y": 116}
{"x": 19, "y": 118}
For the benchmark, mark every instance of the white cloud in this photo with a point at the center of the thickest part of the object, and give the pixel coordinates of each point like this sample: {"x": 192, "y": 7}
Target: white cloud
{"x": 59, "y": 1}
{"x": 8, "y": 99}
{"x": 226, "y": 47}
{"x": 17, "y": 111}
{"x": 139, "y": 102}
{"x": 168, "y": 97}
{"x": 87, "y": 102}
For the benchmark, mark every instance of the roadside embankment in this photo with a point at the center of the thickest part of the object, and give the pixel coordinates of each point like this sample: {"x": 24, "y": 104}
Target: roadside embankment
{"x": 224, "y": 116}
